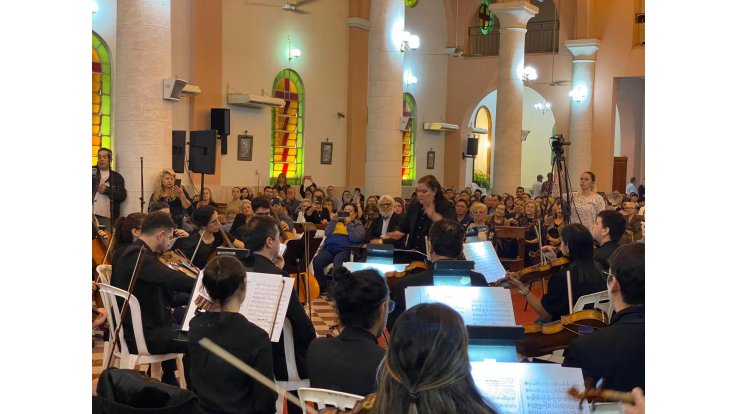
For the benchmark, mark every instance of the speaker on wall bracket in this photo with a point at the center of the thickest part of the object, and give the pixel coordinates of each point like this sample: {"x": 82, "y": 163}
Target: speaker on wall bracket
{"x": 220, "y": 121}
{"x": 471, "y": 148}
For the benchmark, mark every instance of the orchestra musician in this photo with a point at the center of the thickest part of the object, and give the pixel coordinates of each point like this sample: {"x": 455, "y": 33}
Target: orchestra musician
{"x": 207, "y": 239}
{"x": 586, "y": 278}
{"x": 429, "y": 207}
{"x": 445, "y": 243}
{"x": 127, "y": 230}
{"x": 155, "y": 281}
{"x": 220, "y": 387}
{"x": 261, "y": 235}
{"x": 349, "y": 362}
{"x": 616, "y": 352}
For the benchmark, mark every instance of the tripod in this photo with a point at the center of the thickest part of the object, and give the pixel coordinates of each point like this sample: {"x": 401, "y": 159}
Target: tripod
{"x": 559, "y": 166}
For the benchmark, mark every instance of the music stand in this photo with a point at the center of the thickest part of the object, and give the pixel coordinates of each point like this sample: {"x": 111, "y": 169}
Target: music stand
{"x": 452, "y": 272}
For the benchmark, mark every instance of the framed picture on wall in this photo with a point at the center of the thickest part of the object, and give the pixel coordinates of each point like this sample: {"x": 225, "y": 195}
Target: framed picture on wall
{"x": 326, "y": 151}
{"x": 430, "y": 160}
{"x": 245, "y": 147}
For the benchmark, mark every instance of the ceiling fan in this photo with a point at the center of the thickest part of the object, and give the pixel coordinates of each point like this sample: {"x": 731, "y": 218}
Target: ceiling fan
{"x": 291, "y": 6}
{"x": 458, "y": 50}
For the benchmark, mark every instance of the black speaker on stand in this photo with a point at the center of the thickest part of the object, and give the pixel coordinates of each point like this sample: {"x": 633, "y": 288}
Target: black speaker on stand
{"x": 220, "y": 121}
{"x": 178, "y": 150}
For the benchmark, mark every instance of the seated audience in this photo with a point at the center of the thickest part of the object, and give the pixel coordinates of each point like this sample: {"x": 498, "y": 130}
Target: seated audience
{"x": 387, "y": 222}
{"x": 399, "y": 205}
{"x": 461, "y": 212}
{"x": 340, "y": 234}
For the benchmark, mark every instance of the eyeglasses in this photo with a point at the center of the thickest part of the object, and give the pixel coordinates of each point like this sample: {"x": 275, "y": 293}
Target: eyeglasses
{"x": 609, "y": 276}
{"x": 391, "y": 305}
{"x": 386, "y": 205}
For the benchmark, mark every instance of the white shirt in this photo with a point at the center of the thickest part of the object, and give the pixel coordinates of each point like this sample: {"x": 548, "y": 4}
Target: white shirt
{"x": 536, "y": 189}
{"x": 631, "y": 188}
{"x": 101, "y": 203}
{"x": 384, "y": 227}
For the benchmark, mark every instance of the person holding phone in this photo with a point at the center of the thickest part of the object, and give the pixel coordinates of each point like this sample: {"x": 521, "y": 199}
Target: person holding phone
{"x": 316, "y": 213}
{"x": 340, "y": 234}
{"x": 168, "y": 188}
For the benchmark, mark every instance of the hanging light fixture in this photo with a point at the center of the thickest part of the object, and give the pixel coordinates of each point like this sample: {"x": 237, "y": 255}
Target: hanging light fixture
{"x": 542, "y": 107}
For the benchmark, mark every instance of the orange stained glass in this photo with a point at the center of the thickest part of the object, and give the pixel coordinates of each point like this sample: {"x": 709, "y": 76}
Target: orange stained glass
{"x": 287, "y": 127}
{"x": 101, "y": 87}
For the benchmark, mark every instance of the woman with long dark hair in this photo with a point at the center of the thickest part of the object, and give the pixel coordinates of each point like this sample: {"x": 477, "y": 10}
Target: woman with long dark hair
{"x": 349, "y": 362}
{"x": 430, "y": 206}
{"x": 585, "y": 276}
{"x": 205, "y": 241}
{"x": 220, "y": 387}
{"x": 127, "y": 230}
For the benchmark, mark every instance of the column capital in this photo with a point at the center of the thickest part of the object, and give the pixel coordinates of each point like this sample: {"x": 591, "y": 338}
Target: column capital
{"x": 583, "y": 49}
{"x": 514, "y": 14}
{"x": 359, "y": 23}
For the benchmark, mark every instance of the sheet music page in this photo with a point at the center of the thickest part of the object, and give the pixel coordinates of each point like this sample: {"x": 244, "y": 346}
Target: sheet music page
{"x": 266, "y": 300}
{"x": 529, "y": 388}
{"x": 282, "y": 248}
{"x": 381, "y": 268}
{"x": 486, "y": 260}
{"x": 198, "y": 290}
{"x": 477, "y": 305}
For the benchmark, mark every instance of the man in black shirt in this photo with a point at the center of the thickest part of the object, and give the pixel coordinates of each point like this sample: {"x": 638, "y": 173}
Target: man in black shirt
{"x": 261, "y": 235}
{"x": 445, "y": 243}
{"x": 154, "y": 283}
{"x": 388, "y": 222}
{"x": 108, "y": 190}
{"x": 607, "y": 230}
{"x": 616, "y": 352}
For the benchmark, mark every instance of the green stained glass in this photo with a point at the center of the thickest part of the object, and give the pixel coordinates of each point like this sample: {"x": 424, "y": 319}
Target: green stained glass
{"x": 103, "y": 54}
{"x": 106, "y": 125}
{"x": 105, "y": 68}
{"x": 96, "y": 42}
{"x": 106, "y": 104}
{"x": 106, "y": 84}
{"x": 106, "y": 142}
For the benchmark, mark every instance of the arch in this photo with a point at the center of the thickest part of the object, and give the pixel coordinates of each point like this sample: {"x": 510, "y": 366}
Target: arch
{"x": 408, "y": 138}
{"x": 101, "y": 96}
{"x": 483, "y": 120}
{"x": 287, "y": 128}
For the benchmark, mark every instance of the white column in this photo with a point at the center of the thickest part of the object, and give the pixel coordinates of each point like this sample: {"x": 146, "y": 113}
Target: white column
{"x": 385, "y": 94}
{"x": 142, "y": 117}
{"x": 580, "y": 132}
{"x": 513, "y": 17}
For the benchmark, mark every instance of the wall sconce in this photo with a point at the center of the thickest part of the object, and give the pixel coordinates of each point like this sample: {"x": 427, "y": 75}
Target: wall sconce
{"x": 529, "y": 74}
{"x": 542, "y": 107}
{"x": 579, "y": 93}
{"x": 409, "y": 42}
{"x": 409, "y": 78}
{"x": 293, "y": 53}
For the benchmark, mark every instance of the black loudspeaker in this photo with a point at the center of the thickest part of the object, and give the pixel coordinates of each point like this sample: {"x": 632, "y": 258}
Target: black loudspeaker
{"x": 220, "y": 121}
{"x": 178, "y": 145}
{"x": 472, "y": 146}
{"x": 202, "y": 146}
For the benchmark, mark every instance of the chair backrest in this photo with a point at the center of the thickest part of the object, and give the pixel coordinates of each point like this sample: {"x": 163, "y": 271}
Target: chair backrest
{"x": 518, "y": 233}
{"x": 109, "y": 295}
{"x": 322, "y": 397}
{"x": 600, "y": 300}
{"x": 105, "y": 272}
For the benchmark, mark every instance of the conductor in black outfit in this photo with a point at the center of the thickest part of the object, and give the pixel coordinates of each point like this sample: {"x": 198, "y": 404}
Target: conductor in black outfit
{"x": 445, "y": 243}
{"x": 261, "y": 236}
{"x": 429, "y": 207}
{"x": 616, "y": 352}
{"x": 155, "y": 281}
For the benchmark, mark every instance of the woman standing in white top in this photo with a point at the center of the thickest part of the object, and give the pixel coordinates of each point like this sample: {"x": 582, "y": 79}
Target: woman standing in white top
{"x": 586, "y": 203}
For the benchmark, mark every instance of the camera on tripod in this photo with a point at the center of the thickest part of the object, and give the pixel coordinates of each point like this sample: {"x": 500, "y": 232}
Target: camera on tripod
{"x": 557, "y": 142}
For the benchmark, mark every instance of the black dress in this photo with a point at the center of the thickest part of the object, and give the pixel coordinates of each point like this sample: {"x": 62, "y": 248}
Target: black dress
{"x": 416, "y": 224}
{"x": 220, "y": 387}
{"x": 189, "y": 244}
{"x": 555, "y": 300}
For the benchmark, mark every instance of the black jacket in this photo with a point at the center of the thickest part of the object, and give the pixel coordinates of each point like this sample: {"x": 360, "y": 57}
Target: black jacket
{"x": 425, "y": 278}
{"x": 374, "y": 231}
{"x": 601, "y": 254}
{"x": 152, "y": 287}
{"x": 301, "y": 326}
{"x": 348, "y": 363}
{"x": 115, "y": 190}
{"x": 614, "y": 353}
{"x": 416, "y": 224}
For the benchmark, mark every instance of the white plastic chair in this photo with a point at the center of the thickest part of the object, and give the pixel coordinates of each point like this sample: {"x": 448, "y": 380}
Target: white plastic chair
{"x": 600, "y": 300}
{"x": 322, "y": 397}
{"x": 105, "y": 272}
{"x": 128, "y": 360}
{"x": 294, "y": 382}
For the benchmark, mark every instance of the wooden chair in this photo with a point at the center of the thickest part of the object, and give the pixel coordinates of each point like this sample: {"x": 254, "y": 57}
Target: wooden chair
{"x": 518, "y": 233}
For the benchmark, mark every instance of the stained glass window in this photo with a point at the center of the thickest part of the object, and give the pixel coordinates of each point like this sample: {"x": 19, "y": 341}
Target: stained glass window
{"x": 408, "y": 136}
{"x": 287, "y": 135}
{"x": 101, "y": 88}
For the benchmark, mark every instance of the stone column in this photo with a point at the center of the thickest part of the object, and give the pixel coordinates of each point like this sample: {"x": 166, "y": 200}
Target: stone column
{"x": 580, "y": 131}
{"x": 513, "y": 17}
{"x": 385, "y": 89}
{"x": 358, "y": 37}
{"x": 142, "y": 116}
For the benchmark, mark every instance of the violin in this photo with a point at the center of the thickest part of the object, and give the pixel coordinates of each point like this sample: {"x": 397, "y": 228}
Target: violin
{"x": 544, "y": 338}
{"x": 392, "y": 278}
{"x": 178, "y": 261}
{"x": 531, "y": 274}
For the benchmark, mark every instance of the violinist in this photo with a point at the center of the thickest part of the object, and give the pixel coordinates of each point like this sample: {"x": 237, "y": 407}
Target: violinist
{"x": 429, "y": 207}
{"x": 164, "y": 206}
{"x": 127, "y": 230}
{"x": 262, "y": 207}
{"x": 607, "y": 230}
{"x": 349, "y": 362}
{"x": 261, "y": 235}
{"x": 616, "y": 352}
{"x": 152, "y": 288}
{"x": 207, "y": 239}
{"x": 445, "y": 243}
{"x": 585, "y": 276}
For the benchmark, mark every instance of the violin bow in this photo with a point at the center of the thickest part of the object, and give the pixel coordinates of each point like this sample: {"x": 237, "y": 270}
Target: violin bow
{"x": 600, "y": 395}
{"x": 197, "y": 248}
{"x": 109, "y": 246}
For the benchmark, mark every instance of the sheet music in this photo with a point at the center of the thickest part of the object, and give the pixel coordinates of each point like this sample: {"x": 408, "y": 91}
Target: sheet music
{"x": 381, "y": 268}
{"x": 477, "y": 305}
{"x": 529, "y": 388}
{"x": 282, "y": 248}
{"x": 486, "y": 260}
{"x": 266, "y": 301}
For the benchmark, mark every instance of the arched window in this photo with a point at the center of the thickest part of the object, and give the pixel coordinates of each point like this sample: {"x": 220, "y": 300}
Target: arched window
{"x": 287, "y": 123}
{"x": 101, "y": 87}
{"x": 483, "y": 161}
{"x": 408, "y": 136}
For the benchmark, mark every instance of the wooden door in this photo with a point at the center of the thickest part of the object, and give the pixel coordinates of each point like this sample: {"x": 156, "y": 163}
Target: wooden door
{"x": 619, "y": 174}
